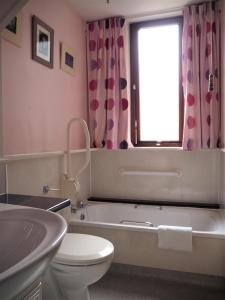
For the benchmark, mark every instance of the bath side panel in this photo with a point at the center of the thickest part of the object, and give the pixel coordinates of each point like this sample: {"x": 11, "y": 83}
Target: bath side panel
{"x": 141, "y": 249}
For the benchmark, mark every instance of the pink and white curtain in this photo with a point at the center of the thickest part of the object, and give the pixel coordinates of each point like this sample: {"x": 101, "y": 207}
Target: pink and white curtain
{"x": 201, "y": 76}
{"x": 107, "y": 84}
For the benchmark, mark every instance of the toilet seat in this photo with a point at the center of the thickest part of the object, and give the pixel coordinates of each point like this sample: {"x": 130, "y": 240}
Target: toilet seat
{"x": 83, "y": 249}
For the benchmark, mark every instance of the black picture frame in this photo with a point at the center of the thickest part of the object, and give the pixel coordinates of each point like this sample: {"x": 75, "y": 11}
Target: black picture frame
{"x": 42, "y": 43}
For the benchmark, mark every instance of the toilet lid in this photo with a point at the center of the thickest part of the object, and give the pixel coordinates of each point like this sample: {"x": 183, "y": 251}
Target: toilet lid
{"x": 83, "y": 249}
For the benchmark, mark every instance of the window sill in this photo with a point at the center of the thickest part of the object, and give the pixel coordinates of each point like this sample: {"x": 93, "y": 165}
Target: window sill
{"x": 157, "y": 148}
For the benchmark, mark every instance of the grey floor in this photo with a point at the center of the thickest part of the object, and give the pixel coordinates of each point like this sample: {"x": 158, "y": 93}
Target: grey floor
{"x": 120, "y": 286}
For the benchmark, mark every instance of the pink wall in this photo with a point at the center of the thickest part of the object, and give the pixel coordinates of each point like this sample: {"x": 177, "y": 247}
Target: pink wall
{"x": 38, "y": 101}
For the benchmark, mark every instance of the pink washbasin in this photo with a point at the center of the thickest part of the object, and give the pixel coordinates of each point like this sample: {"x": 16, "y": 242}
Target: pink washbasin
{"x": 29, "y": 239}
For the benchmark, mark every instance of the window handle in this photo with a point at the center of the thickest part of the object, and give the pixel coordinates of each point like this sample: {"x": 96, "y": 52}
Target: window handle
{"x": 136, "y": 131}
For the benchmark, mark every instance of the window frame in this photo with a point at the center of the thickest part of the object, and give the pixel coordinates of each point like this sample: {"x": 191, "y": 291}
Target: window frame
{"x": 134, "y": 76}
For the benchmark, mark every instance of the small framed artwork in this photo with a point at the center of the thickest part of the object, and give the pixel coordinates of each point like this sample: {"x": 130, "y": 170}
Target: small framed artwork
{"x": 42, "y": 42}
{"x": 67, "y": 59}
{"x": 14, "y": 30}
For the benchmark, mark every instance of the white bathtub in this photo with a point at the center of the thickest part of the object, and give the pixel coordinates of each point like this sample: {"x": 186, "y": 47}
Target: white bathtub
{"x": 204, "y": 222}
{"x": 133, "y": 230}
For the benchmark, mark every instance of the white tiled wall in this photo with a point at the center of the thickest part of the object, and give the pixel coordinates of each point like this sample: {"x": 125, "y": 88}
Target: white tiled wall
{"x": 28, "y": 176}
{"x": 2, "y": 179}
{"x": 222, "y": 179}
{"x": 199, "y": 182}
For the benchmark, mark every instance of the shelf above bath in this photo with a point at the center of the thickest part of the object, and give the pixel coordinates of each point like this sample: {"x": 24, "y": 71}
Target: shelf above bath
{"x": 47, "y": 203}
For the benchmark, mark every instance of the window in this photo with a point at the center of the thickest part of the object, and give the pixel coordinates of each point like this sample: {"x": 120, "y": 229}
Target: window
{"x": 156, "y": 90}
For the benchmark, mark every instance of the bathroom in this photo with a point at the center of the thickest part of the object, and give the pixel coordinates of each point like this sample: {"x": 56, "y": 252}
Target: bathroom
{"x": 36, "y": 104}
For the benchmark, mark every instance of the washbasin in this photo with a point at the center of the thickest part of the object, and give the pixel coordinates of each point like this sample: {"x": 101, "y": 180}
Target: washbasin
{"x": 29, "y": 239}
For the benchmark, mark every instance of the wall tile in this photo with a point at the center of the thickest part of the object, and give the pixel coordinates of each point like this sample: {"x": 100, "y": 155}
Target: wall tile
{"x": 2, "y": 179}
{"x": 199, "y": 182}
{"x": 29, "y": 176}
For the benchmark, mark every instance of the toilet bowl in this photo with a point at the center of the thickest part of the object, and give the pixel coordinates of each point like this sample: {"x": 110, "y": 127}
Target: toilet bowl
{"x": 80, "y": 261}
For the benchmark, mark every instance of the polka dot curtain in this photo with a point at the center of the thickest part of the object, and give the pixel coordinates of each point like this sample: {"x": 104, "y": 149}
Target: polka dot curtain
{"x": 200, "y": 74}
{"x": 107, "y": 84}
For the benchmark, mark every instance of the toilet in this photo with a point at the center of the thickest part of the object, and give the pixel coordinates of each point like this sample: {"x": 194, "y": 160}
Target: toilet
{"x": 80, "y": 261}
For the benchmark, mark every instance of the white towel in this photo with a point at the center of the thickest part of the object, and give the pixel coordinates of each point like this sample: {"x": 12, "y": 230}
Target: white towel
{"x": 175, "y": 238}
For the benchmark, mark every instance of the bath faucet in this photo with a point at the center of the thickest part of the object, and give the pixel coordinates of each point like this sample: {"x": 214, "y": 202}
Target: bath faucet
{"x": 79, "y": 205}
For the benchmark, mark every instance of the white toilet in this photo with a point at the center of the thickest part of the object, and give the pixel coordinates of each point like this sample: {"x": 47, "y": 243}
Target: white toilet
{"x": 80, "y": 261}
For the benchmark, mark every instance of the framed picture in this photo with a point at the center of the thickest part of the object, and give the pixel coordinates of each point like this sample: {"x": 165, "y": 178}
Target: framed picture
{"x": 42, "y": 42}
{"x": 14, "y": 30}
{"x": 67, "y": 59}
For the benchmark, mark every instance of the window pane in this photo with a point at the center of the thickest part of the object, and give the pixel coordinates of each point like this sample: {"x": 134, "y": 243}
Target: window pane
{"x": 158, "y": 50}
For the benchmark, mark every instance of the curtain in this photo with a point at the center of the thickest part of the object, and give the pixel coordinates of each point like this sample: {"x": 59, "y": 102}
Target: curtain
{"x": 107, "y": 84}
{"x": 201, "y": 76}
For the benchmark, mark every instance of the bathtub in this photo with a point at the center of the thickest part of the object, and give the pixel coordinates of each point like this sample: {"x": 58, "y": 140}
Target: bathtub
{"x": 133, "y": 229}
